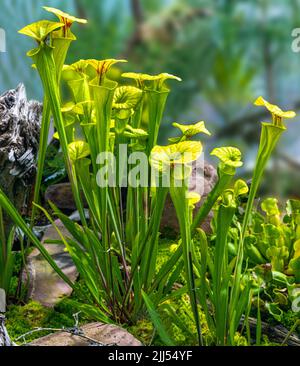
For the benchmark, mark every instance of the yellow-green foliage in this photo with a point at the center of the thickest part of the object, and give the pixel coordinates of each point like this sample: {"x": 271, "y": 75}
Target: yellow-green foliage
{"x": 166, "y": 248}
{"x": 142, "y": 330}
{"x": 240, "y": 340}
{"x": 187, "y": 335}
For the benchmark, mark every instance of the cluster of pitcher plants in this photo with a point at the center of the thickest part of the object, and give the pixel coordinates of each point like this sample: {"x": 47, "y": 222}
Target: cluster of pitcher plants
{"x": 116, "y": 245}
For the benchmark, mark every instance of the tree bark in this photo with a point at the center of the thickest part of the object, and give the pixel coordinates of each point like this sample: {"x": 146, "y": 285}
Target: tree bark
{"x": 20, "y": 122}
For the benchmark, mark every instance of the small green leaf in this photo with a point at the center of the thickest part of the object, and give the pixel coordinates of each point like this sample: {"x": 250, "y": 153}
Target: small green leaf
{"x": 123, "y": 114}
{"x": 137, "y": 133}
{"x": 157, "y": 321}
{"x": 240, "y": 188}
{"x": 78, "y": 150}
{"x": 192, "y": 130}
{"x": 193, "y": 198}
{"x": 275, "y": 310}
{"x": 270, "y": 206}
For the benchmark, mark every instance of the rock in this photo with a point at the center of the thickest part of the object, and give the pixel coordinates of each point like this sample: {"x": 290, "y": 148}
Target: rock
{"x": 106, "y": 334}
{"x": 61, "y": 195}
{"x": 75, "y": 216}
{"x": 202, "y": 181}
{"x": 45, "y": 286}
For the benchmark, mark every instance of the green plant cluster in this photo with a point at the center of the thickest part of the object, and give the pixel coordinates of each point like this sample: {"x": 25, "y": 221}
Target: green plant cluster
{"x": 274, "y": 237}
{"x": 204, "y": 291}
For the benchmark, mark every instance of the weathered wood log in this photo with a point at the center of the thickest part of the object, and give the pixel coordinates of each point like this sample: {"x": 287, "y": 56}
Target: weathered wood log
{"x": 20, "y": 122}
{"x": 4, "y": 337}
{"x": 275, "y": 334}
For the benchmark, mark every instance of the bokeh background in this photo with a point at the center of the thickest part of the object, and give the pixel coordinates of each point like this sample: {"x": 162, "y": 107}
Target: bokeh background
{"x": 227, "y": 52}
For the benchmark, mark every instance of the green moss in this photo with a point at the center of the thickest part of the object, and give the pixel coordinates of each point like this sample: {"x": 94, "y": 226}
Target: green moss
{"x": 240, "y": 340}
{"x": 23, "y": 319}
{"x": 180, "y": 326}
{"x": 289, "y": 318}
{"x": 142, "y": 330}
{"x": 166, "y": 249}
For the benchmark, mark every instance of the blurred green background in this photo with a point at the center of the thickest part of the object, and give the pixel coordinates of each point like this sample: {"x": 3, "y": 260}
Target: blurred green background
{"x": 227, "y": 52}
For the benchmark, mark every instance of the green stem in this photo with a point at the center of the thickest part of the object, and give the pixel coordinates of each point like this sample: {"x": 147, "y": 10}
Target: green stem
{"x": 270, "y": 135}
{"x": 43, "y": 57}
{"x": 212, "y": 197}
{"x": 61, "y": 47}
{"x": 220, "y": 278}
{"x": 2, "y": 236}
{"x": 178, "y": 195}
{"x": 46, "y": 120}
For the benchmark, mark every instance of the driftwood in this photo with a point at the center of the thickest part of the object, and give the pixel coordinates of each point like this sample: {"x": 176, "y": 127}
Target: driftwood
{"x": 277, "y": 334}
{"x": 4, "y": 337}
{"x": 20, "y": 122}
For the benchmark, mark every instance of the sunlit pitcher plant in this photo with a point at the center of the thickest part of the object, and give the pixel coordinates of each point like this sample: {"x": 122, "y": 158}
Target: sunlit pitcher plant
{"x": 115, "y": 247}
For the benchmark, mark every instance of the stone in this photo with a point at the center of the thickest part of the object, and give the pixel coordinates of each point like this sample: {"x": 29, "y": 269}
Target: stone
{"x": 202, "y": 181}
{"x": 45, "y": 286}
{"x": 107, "y": 334}
{"x": 61, "y": 195}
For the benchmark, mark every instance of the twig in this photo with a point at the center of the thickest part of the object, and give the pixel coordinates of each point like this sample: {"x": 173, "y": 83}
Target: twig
{"x": 297, "y": 322}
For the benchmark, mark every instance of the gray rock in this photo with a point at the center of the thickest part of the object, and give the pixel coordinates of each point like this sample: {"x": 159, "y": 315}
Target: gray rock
{"x": 106, "y": 334}
{"x": 61, "y": 195}
{"x": 45, "y": 286}
{"x": 202, "y": 181}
